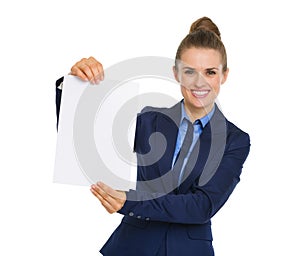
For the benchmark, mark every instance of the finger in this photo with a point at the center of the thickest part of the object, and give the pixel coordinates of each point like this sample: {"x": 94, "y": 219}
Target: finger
{"x": 116, "y": 203}
{"x": 86, "y": 69}
{"x": 106, "y": 203}
{"x": 108, "y": 207}
{"x": 83, "y": 69}
{"x": 96, "y": 68}
{"x": 97, "y": 191}
{"x": 110, "y": 204}
{"x": 75, "y": 71}
{"x": 113, "y": 193}
{"x": 105, "y": 188}
{"x": 102, "y": 199}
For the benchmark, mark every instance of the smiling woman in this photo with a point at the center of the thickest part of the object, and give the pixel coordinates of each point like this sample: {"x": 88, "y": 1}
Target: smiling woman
{"x": 200, "y": 73}
{"x": 201, "y": 67}
{"x": 159, "y": 221}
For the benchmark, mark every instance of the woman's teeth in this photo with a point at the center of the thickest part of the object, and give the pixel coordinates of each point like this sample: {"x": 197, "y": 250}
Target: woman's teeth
{"x": 200, "y": 93}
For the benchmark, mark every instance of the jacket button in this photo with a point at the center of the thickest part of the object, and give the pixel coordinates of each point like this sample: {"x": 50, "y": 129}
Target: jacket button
{"x": 131, "y": 214}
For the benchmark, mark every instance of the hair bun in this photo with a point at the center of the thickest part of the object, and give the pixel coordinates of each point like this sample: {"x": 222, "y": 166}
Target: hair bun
{"x": 205, "y": 23}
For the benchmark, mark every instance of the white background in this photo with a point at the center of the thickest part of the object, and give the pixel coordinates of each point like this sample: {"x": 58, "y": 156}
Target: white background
{"x": 41, "y": 40}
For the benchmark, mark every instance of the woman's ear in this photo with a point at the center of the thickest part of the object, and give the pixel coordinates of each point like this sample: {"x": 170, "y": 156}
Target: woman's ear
{"x": 225, "y": 75}
{"x": 175, "y": 72}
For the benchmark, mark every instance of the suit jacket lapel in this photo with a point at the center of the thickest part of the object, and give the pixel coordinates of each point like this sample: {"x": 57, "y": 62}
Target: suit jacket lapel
{"x": 205, "y": 150}
{"x": 167, "y": 124}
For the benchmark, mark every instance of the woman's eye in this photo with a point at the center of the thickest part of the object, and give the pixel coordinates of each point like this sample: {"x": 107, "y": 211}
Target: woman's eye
{"x": 210, "y": 72}
{"x": 189, "y": 72}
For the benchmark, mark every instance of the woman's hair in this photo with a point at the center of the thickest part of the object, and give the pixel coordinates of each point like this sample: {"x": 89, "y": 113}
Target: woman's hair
{"x": 203, "y": 34}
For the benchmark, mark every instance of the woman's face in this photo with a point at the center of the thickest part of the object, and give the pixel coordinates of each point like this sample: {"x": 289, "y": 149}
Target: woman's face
{"x": 200, "y": 75}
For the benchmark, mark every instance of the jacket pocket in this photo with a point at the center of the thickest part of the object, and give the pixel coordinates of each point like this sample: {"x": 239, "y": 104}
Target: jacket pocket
{"x": 200, "y": 232}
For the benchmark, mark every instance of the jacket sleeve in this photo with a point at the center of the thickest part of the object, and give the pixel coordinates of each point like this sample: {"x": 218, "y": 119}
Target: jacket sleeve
{"x": 58, "y": 98}
{"x": 202, "y": 202}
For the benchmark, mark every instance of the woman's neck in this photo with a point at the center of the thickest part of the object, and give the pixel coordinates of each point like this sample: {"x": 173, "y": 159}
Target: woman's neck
{"x": 197, "y": 113}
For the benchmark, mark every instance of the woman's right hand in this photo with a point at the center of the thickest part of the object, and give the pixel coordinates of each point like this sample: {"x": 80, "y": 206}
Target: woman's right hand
{"x": 88, "y": 70}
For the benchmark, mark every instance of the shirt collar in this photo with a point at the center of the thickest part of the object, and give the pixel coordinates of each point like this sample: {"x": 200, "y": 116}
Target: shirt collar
{"x": 203, "y": 121}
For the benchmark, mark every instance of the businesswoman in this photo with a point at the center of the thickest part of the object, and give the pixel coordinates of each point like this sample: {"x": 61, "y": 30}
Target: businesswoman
{"x": 168, "y": 219}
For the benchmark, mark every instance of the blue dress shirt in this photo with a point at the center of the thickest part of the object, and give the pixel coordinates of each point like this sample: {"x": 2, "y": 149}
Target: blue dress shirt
{"x": 198, "y": 125}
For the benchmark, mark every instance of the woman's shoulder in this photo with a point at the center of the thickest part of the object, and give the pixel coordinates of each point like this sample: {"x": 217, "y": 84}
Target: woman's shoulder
{"x": 236, "y": 134}
{"x": 172, "y": 113}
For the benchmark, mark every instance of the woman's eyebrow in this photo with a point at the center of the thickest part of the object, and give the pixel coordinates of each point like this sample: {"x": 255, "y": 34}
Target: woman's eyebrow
{"x": 212, "y": 68}
{"x": 188, "y": 68}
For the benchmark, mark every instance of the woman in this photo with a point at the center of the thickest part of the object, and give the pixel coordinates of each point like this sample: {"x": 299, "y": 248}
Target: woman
{"x": 168, "y": 219}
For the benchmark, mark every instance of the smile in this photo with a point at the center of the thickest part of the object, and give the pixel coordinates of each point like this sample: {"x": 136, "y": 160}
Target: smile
{"x": 200, "y": 94}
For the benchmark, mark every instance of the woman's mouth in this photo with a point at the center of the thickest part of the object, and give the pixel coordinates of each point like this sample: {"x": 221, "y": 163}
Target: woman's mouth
{"x": 200, "y": 93}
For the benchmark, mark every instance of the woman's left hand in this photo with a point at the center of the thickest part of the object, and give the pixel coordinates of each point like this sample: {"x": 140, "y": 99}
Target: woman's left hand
{"x": 112, "y": 200}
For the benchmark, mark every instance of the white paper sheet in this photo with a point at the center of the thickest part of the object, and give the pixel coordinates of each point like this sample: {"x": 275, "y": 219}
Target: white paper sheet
{"x": 68, "y": 169}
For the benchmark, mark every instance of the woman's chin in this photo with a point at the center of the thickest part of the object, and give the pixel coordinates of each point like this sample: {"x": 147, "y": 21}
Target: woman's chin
{"x": 201, "y": 105}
